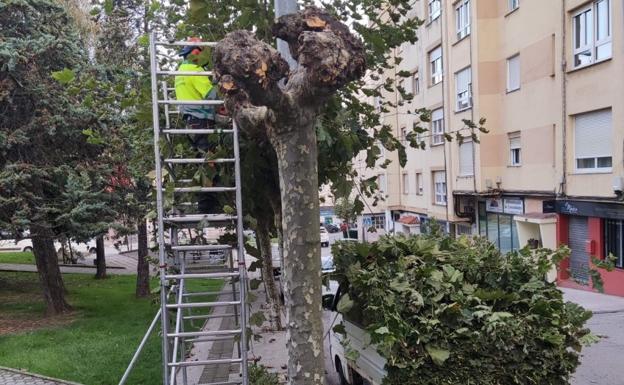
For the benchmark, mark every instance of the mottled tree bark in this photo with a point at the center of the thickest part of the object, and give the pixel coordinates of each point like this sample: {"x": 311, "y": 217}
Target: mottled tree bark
{"x": 100, "y": 258}
{"x": 264, "y": 245}
{"x": 49, "y": 272}
{"x": 249, "y": 74}
{"x": 142, "y": 283}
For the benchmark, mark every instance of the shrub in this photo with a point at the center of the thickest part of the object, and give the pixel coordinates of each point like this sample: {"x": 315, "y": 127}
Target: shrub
{"x": 456, "y": 311}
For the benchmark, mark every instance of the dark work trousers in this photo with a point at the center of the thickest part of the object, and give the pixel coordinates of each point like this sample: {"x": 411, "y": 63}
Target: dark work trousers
{"x": 208, "y": 203}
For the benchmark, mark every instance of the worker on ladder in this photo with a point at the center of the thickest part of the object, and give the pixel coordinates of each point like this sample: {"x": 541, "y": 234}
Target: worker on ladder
{"x": 198, "y": 116}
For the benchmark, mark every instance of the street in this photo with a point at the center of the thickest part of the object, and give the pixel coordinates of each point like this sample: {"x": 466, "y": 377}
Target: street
{"x": 602, "y": 363}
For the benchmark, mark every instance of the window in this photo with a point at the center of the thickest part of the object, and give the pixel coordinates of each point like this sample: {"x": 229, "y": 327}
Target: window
{"x": 378, "y": 221}
{"x": 513, "y": 73}
{"x": 614, "y": 240}
{"x": 435, "y": 61}
{"x": 434, "y": 9}
{"x": 514, "y": 149}
{"x": 381, "y": 183}
{"x": 593, "y": 141}
{"x": 439, "y": 183}
{"x": 463, "y": 229}
{"x": 466, "y": 165}
{"x": 377, "y": 103}
{"x": 437, "y": 126}
{"x": 462, "y": 17}
{"x": 513, "y": 4}
{"x": 415, "y": 84}
{"x": 400, "y": 89}
{"x": 463, "y": 80}
{"x": 592, "y": 33}
{"x": 419, "y": 135}
{"x": 419, "y": 184}
{"x": 406, "y": 186}
{"x": 403, "y": 134}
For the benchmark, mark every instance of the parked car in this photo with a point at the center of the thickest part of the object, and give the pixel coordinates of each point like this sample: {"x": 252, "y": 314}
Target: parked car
{"x": 331, "y": 228}
{"x": 324, "y": 237}
{"x": 24, "y": 244}
{"x": 368, "y": 368}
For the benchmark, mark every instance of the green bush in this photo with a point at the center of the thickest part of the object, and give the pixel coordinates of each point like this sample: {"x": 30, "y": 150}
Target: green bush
{"x": 456, "y": 311}
{"x": 259, "y": 375}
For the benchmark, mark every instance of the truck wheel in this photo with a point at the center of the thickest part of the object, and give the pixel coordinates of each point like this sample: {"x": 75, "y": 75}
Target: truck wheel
{"x": 341, "y": 376}
{"x": 27, "y": 249}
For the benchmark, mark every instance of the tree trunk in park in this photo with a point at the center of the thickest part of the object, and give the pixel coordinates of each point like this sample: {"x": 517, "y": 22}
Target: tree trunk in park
{"x": 249, "y": 74}
{"x": 264, "y": 243}
{"x": 100, "y": 258}
{"x": 49, "y": 273}
{"x": 142, "y": 284}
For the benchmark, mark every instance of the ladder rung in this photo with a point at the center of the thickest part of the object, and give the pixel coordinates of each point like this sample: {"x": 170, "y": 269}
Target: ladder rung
{"x": 209, "y": 339}
{"x": 206, "y": 293}
{"x": 185, "y": 43}
{"x": 207, "y": 362}
{"x": 209, "y": 316}
{"x": 185, "y": 73}
{"x": 201, "y": 275}
{"x": 203, "y": 304}
{"x": 200, "y": 247}
{"x": 238, "y": 382}
{"x": 197, "y": 189}
{"x": 205, "y": 333}
{"x": 198, "y": 160}
{"x": 199, "y": 218}
{"x": 191, "y": 102}
{"x": 186, "y": 131}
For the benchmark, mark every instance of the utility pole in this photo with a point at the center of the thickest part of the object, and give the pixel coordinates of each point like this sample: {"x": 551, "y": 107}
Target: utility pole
{"x": 285, "y": 7}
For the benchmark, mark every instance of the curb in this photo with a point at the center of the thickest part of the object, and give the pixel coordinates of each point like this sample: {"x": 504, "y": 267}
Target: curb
{"x": 17, "y": 371}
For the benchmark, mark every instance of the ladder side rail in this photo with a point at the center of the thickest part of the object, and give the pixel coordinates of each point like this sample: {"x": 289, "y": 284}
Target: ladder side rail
{"x": 242, "y": 267}
{"x": 178, "y": 329}
{"x": 159, "y": 208}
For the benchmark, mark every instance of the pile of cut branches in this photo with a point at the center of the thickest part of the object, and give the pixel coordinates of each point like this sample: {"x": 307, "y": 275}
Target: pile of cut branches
{"x": 456, "y": 311}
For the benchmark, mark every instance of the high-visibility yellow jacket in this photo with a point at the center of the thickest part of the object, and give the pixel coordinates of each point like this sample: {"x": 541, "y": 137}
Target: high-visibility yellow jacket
{"x": 194, "y": 88}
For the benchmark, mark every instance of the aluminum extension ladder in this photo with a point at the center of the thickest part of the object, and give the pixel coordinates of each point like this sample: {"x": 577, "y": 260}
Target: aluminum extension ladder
{"x": 182, "y": 263}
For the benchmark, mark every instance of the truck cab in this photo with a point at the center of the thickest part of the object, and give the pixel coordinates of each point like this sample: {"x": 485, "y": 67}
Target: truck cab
{"x": 368, "y": 367}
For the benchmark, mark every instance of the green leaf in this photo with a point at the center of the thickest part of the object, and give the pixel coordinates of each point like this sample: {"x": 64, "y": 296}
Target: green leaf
{"x": 254, "y": 283}
{"x": 65, "y": 76}
{"x": 382, "y": 330}
{"x": 344, "y": 304}
{"x": 438, "y": 355}
{"x": 257, "y": 319}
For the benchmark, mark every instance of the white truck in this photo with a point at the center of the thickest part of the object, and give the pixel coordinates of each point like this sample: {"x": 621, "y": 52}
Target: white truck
{"x": 368, "y": 367}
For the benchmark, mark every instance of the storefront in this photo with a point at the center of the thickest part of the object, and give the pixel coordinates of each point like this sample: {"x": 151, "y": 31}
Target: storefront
{"x": 591, "y": 229}
{"x": 496, "y": 221}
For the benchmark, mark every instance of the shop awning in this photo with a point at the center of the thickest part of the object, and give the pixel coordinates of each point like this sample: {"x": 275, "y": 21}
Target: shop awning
{"x": 409, "y": 220}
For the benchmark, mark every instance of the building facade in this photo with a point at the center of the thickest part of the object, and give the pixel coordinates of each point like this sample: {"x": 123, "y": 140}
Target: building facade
{"x": 548, "y": 76}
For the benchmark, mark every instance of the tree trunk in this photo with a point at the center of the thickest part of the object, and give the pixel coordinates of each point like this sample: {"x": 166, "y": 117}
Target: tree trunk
{"x": 100, "y": 258}
{"x": 142, "y": 284}
{"x": 264, "y": 243}
{"x": 297, "y": 161}
{"x": 49, "y": 273}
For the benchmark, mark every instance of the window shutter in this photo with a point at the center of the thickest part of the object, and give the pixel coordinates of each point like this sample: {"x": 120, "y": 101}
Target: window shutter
{"x": 465, "y": 159}
{"x": 514, "y": 141}
{"x": 592, "y": 133}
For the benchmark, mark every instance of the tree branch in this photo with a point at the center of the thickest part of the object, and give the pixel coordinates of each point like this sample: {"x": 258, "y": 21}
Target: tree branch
{"x": 242, "y": 62}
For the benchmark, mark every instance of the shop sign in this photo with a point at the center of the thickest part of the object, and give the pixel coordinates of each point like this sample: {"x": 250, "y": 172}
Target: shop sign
{"x": 513, "y": 206}
{"x": 591, "y": 209}
{"x": 506, "y": 205}
{"x": 494, "y": 205}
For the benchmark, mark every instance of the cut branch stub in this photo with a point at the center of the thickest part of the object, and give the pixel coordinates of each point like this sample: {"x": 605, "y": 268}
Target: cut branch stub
{"x": 330, "y": 53}
{"x": 252, "y": 65}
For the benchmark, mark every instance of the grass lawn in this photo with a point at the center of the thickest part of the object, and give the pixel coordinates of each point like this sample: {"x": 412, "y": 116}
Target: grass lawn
{"x": 26, "y": 258}
{"x": 91, "y": 346}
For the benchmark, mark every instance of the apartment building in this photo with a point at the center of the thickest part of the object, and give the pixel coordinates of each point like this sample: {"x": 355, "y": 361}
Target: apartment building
{"x": 549, "y": 78}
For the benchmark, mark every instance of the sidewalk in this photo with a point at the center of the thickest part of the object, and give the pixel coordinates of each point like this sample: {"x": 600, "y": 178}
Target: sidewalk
{"x": 10, "y": 376}
{"x": 596, "y": 302}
